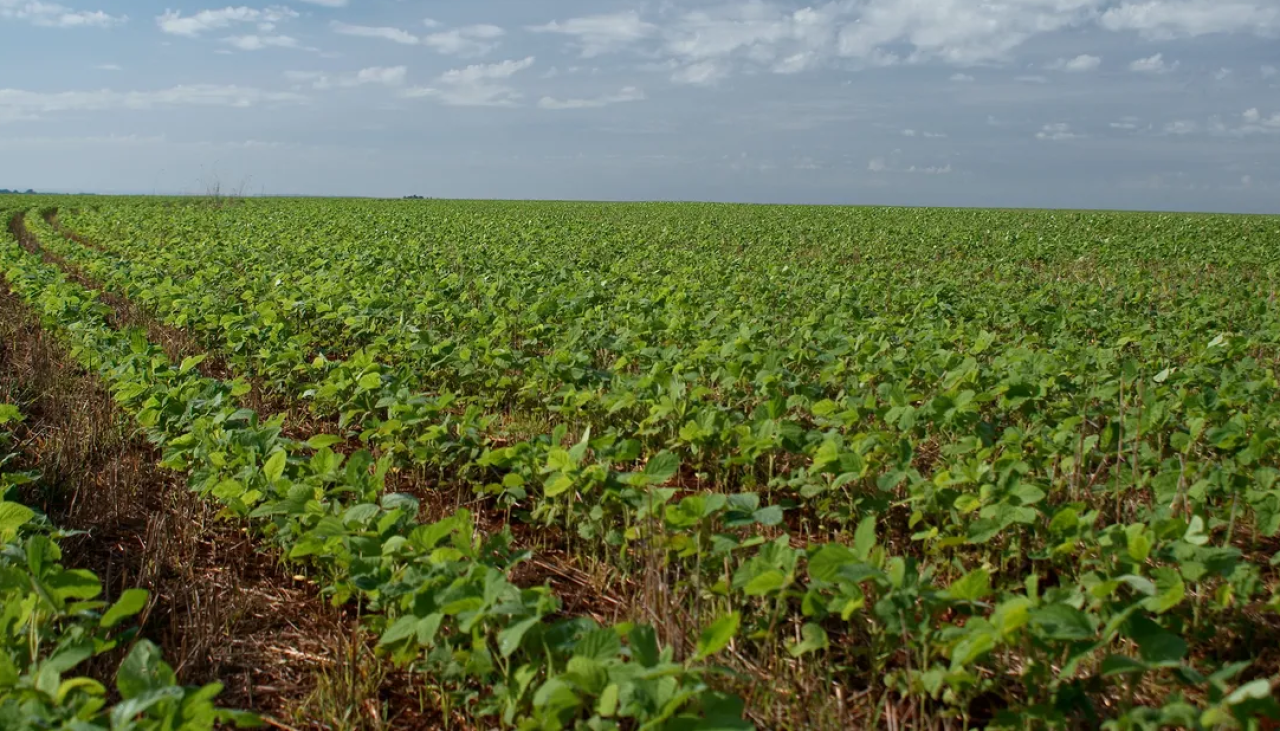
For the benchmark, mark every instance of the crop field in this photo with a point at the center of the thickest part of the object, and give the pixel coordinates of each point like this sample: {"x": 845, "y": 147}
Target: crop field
{"x": 671, "y": 466}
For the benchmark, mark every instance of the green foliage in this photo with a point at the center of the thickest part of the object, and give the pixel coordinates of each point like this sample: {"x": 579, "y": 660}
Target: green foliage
{"x": 1023, "y": 455}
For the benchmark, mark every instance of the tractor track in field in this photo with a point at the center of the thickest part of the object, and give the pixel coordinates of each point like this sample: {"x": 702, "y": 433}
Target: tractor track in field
{"x": 221, "y": 609}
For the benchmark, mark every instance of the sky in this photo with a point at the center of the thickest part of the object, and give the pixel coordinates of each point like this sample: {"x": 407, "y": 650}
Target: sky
{"x": 1137, "y": 104}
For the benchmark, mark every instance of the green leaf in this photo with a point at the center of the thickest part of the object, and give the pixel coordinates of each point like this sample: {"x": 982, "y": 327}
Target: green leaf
{"x": 370, "y": 381}
{"x": 661, "y": 467}
{"x": 1195, "y": 534}
{"x": 88, "y": 686}
{"x": 1139, "y": 545}
{"x": 1170, "y": 591}
{"x": 971, "y": 587}
{"x": 274, "y": 468}
{"x": 864, "y": 538}
{"x": 131, "y": 602}
{"x": 558, "y": 485}
{"x": 643, "y": 641}
{"x": 402, "y": 629}
{"x": 826, "y": 563}
{"x": 1121, "y": 665}
{"x": 813, "y": 639}
{"x": 76, "y": 584}
{"x": 13, "y": 516}
{"x": 427, "y": 628}
{"x": 1061, "y": 622}
{"x": 607, "y": 706}
{"x": 509, "y": 638}
{"x": 1155, "y": 643}
{"x": 143, "y": 670}
{"x": 600, "y": 644}
{"x": 320, "y": 441}
{"x": 769, "y": 516}
{"x": 974, "y": 645}
{"x": 191, "y": 362}
{"x": 766, "y": 583}
{"x": 718, "y": 635}
{"x": 1255, "y": 690}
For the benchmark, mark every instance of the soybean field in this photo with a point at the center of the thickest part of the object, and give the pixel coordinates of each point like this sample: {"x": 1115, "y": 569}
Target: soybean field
{"x": 677, "y": 466}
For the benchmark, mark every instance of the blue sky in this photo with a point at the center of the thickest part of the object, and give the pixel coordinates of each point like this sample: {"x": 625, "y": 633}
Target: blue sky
{"x": 1152, "y": 104}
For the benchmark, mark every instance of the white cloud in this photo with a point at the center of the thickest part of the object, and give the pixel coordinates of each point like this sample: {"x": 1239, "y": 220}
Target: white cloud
{"x": 959, "y": 32}
{"x": 109, "y": 67}
{"x": 174, "y": 22}
{"x": 927, "y": 135}
{"x": 53, "y": 15}
{"x": 702, "y": 73}
{"x": 1056, "y": 132}
{"x": 1181, "y": 127}
{"x": 372, "y": 76}
{"x": 710, "y": 42}
{"x": 382, "y": 75}
{"x": 1268, "y": 71}
{"x": 366, "y": 31}
{"x": 1222, "y": 74}
{"x": 962, "y": 78}
{"x": 775, "y": 36}
{"x": 257, "y": 42}
{"x": 1256, "y": 120}
{"x": 478, "y": 85}
{"x": 471, "y": 40}
{"x": 796, "y": 62}
{"x": 1152, "y": 65}
{"x": 328, "y": 3}
{"x": 626, "y": 94}
{"x": 1080, "y": 64}
{"x": 755, "y": 32}
{"x": 1031, "y": 79}
{"x": 1168, "y": 19}
{"x": 1252, "y": 122}
{"x": 476, "y": 72}
{"x": 595, "y": 35}
{"x": 1128, "y": 124}
{"x": 18, "y": 104}
{"x": 879, "y": 165}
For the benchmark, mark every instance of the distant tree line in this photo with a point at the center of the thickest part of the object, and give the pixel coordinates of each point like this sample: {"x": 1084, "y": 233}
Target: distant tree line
{"x": 28, "y": 191}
